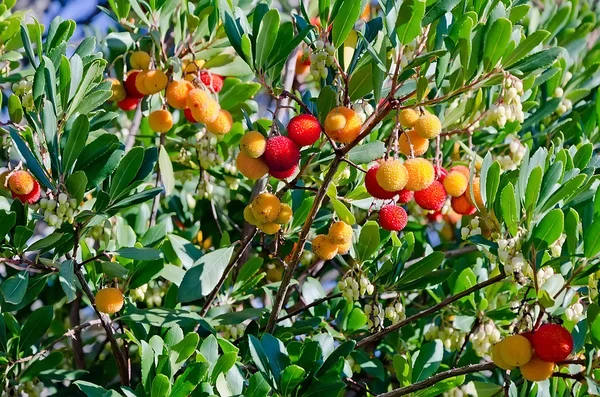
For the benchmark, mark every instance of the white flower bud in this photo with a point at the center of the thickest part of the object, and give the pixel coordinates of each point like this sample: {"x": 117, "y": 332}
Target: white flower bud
{"x": 370, "y": 289}
{"x": 319, "y": 44}
{"x": 559, "y": 92}
{"x": 62, "y": 198}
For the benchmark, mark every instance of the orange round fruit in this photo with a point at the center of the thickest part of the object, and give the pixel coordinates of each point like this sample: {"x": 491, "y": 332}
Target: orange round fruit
{"x": 140, "y": 60}
{"x": 391, "y": 175}
{"x": 342, "y": 124}
{"x": 177, "y": 93}
{"x": 21, "y": 182}
{"x": 537, "y": 370}
{"x": 455, "y": 183}
{"x": 250, "y": 167}
{"x": 421, "y": 174}
{"x": 160, "y": 121}
{"x": 411, "y": 138}
{"x": 204, "y": 108}
{"x": 109, "y": 300}
{"x": 155, "y": 81}
{"x": 222, "y": 124}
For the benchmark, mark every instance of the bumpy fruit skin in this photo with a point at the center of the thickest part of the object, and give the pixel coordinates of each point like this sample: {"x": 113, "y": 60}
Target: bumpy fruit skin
{"x": 32, "y": 197}
{"x": 129, "y": 83}
{"x": 128, "y": 104}
{"x": 392, "y": 175}
{"x": 285, "y": 214}
{"x": 342, "y": 124}
{"x": 373, "y": 186}
{"x": 155, "y": 81}
{"x": 392, "y": 217}
{"x": 281, "y": 153}
{"x": 284, "y": 174}
{"x": 476, "y": 194}
{"x": 249, "y": 216}
{"x": 455, "y": 183}
{"x": 428, "y": 126}
{"x": 222, "y": 124}
{"x": 421, "y": 174}
{"x": 340, "y": 232}
{"x": 463, "y": 170}
{"x": 304, "y": 129}
{"x": 204, "y": 108}
{"x": 324, "y": 247}
{"x": 516, "y": 350}
{"x": 250, "y": 167}
{"x": 269, "y": 227}
{"x": 432, "y": 198}
{"x": 344, "y": 248}
{"x": 140, "y": 60}
{"x": 189, "y": 116}
{"x": 118, "y": 90}
{"x": 405, "y": 195}
{"x": 160, "y": 121}
{"x": 253, "y": 143}
{"x": 408, "y": 117}
{"x": 21, "y": 182}
{"x": 177, "y": 92}
{"x": 537, "y": 370}
{"x": 552, "y": 342}
{"x": 266, "y": 207}
{"x": 140, "y": 83}
{"x": 211, "y": 80}
{"x": 461, "y": 206}
{"x": 109, "y": 300}
{"x": 497, "y": 357}
{"x": 419, "y": 144}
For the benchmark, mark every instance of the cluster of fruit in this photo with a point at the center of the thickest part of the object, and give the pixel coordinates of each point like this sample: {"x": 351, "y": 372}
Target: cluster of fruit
{"x": 22, "y": 185}
{"x": 534, "y": 353}
{"x": 321, "y": 57}
{"x": 484, "y": 337}
{"x": 277, "y": 155}
{"x": 109, "y": 300}
{"x": 395, "y": 312}
{"x": 510, "y": 108}
{"x": 337, "y": 241}
{"x": 152, "y": 294}
{"x": 55, "y": 212}
{"x": 452, "y": 338}
{"x": 514, "y": 157}
{"x": 193, "y": 97}
{"x": 352, "y": 289}
{"x": 374, "y": 314}
{"x": 233, "y": 332}
{"x": 267, "y": 213}
{"x": 24, "y": 90}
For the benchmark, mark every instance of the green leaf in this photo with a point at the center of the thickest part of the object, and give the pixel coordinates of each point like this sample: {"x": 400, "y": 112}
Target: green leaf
{"x": 126, "y": 171}
{"x": 438, "y": 9}
{"x": 549, "y": 229}
{"x": 267, "y": 35}
{"x": 76, "y": 184}
{"x": 327, "y": 100}
{"x": 239, "y": 317}
{"x": 508, "y": 204}
{"x": 76, "y": 138}
{"x": 258, "y": 386}
{"x": 361, "y": 82}
{"x": 492, "y": 182}
{"x": 91, "y": 389}
{"x": 534, "y": 184}
{"x": 258, "y": 355}
{"x": 342, "y": 211}
{"x": 13, "y": 289}
{"x": 536, "y": 62}
{"x": 428, "y": 360}
{"x": 166, "y": 171}
{"x": 223, "y": 364}
{"x": 422, "y": 268}
{"x": 344, "y": 21}
{"x": 161, "y": 386}
{"x": 140, "y": 254}
{"x": 366, "y": 153}
{"x": 27, "y": 45}
{"x": 15, "y": 109}
{"x": 36, "y": 326}
{"x": 496, "y": 41}
{"x": 583, "y": 156}
{"x": 368, "y": 241}
{"x": 204, "y": 276}
{"x": 66, "y": 276}
{"x": 408, "y": 24}
{"x": 94, "y": 71}
{"x": 114, "y": 269}
{"x": 525, "y": 46}
{"x": 7, "y": 221}
{"x": 591, "y": 241}
{"x": 32, "y": 163}
{"x": 465, "y": 280}
{"x": 403, "y": 370}
{"x": 291, "y": 377}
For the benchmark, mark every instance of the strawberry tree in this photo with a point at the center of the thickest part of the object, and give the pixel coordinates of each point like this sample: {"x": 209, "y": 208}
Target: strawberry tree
{"x": 354, "y": 198}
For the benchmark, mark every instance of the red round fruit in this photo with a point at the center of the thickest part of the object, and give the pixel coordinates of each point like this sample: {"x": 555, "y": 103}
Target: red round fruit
{"x": 435, "y": 216}
{"x": 440, "y": 173}
{"x": 284, "y": 174}
{"x": 461, "y": 205}
{"x": 211, "y": 80}
{"x": 552, "y": 342}
{"x": 281, "y": 153}
{"x": 31, "y": 197}
{"x": 129, "y": 103}
{"x": 189, "y": 116}
{"x": 392, "y": 217}
{"x": 304, "y": 129}
{"x": 529, "y": 336}
{"x": 431, "y": 198}
{"x": 374, "y": 188}
{"x": 404, "y": 196}
{"x": 129, "y": 84}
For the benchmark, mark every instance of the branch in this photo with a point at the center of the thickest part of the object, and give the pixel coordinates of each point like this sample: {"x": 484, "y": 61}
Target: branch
{"x": 306, "y": 307}
{"x": 378, "y": 335}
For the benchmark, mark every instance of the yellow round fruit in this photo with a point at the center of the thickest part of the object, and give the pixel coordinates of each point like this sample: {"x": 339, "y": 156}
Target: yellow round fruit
{"x": 203, "y": 107}
{"x": 160, "y": 121}
{"x": 155, "y": 81}
{"x": 249, "y": 216}
{"x": 21, "y": 182}
{"x": 428, "y": 126}
{"x": 516, "y": 350}
{"x": 455, "y": 183}
{"x": 266, "y": 207}
{"x": 476, "y": 193}
{"x": 109, "y": 300}
{"x": 253, "y": 143}
{"x": 285, "y": 214}
{"x": 177, "y": 93}
{"x": 140, "y": 60}
{"x": 140, "y": 83}
{"x": 269, "y": 227}
{"x": 274, "y": 273}
{"x": 342, "y": 124}
{"x": 250, "y": 167}
{"x": 324, "y": 247}
{"x": 497, "y": 357}
{"x": 340, "y": 232}
{"x": 391, "y": 175}
{"x": 411, "y": 138}
{"x": 421, "y": 174}
{"x": 118, "y": 91}
{"x": 537, "y": 370}
{"x": 222, "y": 124}
{"x": 343, "y": 249}
{"x": 408, "y": 117}
{"x": 192, "y": 67}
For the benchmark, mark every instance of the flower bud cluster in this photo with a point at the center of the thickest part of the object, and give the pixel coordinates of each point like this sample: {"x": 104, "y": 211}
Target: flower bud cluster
{"x": 509, "y": 108}
{"x": 352, "y": 289}
{"x": 230, "y": 172}
{"x": 515, "y": 156}
{"x": 321, "y": 57}
{"x": 451, "y": 337}
{"x": 232, "y": 332}
{"x": 556, "y": 247}
{"x": 575, "y": 312}
{"x": 471, "y": 229}
{"x": 395, "y": 312}
{"x": 207, "y": 150}
{"x": 509, "y": 254}
{"x": 544, "y": 274}
{"x": 58, "y": 211}
{"x": 484, "y": 338}
{"x": 23, "y": 89}
{"x": 374, "y": 314}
